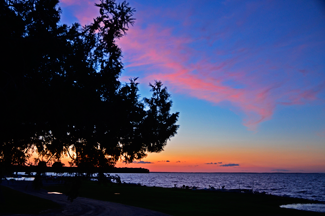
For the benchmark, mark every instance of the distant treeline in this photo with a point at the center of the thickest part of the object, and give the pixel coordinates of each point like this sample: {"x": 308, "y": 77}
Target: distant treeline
{"x": 28, "y": 169}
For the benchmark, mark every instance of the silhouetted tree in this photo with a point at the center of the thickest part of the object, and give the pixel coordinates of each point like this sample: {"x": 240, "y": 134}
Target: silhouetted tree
{"x": 61, "y": 94}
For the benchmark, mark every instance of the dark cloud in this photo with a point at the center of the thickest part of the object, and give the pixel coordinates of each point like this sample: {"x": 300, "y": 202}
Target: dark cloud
{"x": 167, "y": 161}
{"x": 178, "y": 161}
{"x": 214, "y": 163}
{"x": 229, "y": 165}
{"x": 142, "y": 162}
{"x": 280, "y": 170}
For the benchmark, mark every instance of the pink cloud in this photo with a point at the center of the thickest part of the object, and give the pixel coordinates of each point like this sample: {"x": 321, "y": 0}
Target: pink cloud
{"x": 254, "y": 85}
{"x": 170, "y": 57}
{"x": 89, "y": 12}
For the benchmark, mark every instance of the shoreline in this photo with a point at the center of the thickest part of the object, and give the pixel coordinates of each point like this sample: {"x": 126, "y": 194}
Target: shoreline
{"x": 29, "y": 169}
{"x": 49, "y": 182}
{"x": 176, "y": 201}
{"x": 92, "y": 200}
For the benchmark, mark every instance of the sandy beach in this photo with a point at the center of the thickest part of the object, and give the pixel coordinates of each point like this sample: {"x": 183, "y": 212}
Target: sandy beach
{"x": 80, "y": 206}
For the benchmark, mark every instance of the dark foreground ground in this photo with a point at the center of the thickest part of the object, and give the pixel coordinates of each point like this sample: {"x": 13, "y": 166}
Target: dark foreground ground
{"x": 123, "y": 199}
{"x": 20, "y": 198}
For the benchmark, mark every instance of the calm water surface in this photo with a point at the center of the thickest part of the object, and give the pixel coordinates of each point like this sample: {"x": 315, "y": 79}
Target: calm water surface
{"x": 300, "y": 185}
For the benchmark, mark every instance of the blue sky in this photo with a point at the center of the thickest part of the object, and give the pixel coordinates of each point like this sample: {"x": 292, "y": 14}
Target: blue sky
{"x": 248, "y": 78}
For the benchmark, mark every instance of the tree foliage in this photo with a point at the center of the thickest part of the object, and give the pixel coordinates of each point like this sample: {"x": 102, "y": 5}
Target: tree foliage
{"x": 61, "y": 94}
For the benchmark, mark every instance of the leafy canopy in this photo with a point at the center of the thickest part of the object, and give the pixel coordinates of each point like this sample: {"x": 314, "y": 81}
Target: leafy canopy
{"x": 61, "y": 94}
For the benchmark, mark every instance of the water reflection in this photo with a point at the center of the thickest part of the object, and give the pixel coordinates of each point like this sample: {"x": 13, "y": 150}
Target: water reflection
{"x": 306, "y": 207}
{"x": 54, "y": 193}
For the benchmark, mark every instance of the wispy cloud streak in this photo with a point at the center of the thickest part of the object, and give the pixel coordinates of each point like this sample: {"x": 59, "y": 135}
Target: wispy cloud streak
{"x": 249, "y": 87}
{"x": 225, "y": 59}
{"x": 229, "y": 165}
{"x": 142, "y": 162}
{"x": 253, "y": 77}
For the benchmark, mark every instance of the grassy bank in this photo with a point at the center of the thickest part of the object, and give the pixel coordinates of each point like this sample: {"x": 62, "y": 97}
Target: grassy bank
{"x": 180, "y": 202}
{"x": 14, "y": 202}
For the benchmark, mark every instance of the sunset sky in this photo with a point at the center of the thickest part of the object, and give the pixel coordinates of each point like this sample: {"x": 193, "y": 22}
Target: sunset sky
{"x": 248, "y": 78}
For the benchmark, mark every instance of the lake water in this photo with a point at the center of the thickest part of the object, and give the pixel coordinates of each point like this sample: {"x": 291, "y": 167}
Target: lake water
{"x": 300, "y": 185}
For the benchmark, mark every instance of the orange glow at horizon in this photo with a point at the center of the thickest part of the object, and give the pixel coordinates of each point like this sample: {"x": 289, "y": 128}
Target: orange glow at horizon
{"x": 229, "y": 159}
{"x": 258, "y": 160}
